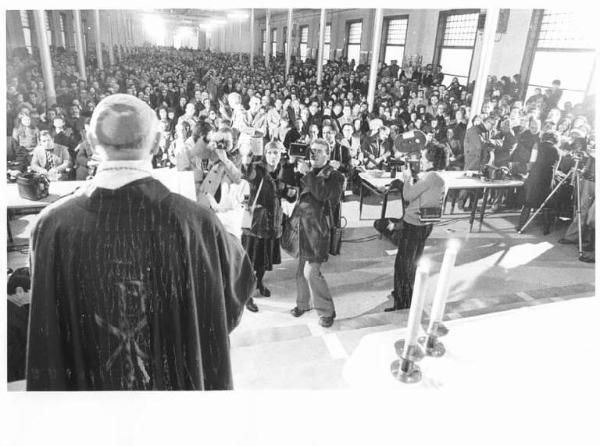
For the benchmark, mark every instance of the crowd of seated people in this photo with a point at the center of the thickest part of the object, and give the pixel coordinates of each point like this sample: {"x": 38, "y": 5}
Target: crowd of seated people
{"x": 188, "y": 87}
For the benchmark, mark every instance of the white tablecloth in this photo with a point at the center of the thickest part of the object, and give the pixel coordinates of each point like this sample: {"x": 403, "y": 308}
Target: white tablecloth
{"x": 532, "y": 347}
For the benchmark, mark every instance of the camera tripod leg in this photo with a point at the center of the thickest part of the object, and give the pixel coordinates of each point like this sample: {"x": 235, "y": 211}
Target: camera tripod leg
{"x": 538, "y": 210}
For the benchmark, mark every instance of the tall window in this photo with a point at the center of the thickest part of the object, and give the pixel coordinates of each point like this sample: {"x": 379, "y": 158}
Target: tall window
{"x": 263, "y": 34}
{"x": 395, "y": 39}
{"x": 285, "y": 43}
{"x": 26, "y": 25}
{"x": 327, "y": 44}
{"x": 274, "y": 42}
{"x": 353, "y": 45}
{"x": 303, "y": 42}
{"x": 62, "y": 29}
{"x": 459, "y": 34}
{"x": 565, "y": 52}
{"x": 48, "y": 29}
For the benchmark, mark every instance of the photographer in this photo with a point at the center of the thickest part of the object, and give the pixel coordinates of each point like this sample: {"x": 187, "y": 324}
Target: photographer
{"x": 538, "y": 183}
{"x": 320, "y": 193}
{"x": 420, "y": 191}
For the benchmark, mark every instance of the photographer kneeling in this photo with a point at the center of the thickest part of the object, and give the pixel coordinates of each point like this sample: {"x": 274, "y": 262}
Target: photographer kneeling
{"x": 320, "y": 193}
{"x": 421, "y": 191}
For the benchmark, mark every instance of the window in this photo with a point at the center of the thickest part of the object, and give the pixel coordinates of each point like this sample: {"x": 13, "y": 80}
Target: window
{"x": 62, "y": 29}
{"x": 274, "y": 42}
{"x": 458, "y": 42}
{"x": 48, "y": 29}
{"x": 395, "y": 39}
{"x": 303, "y": 42}
{"x": 25, "y": 24}
{"x": 263, "y": 34}
{"x": 565, "y": 41}
{"x": 353, "y": 45}
{"x": 327, "y": 44}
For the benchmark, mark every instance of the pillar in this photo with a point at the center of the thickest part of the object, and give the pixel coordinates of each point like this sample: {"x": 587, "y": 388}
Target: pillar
{"x": 79, "y": 43}
{"x": 485, "y": 60}
{"x": 109, "y": 27}
{"x": 268, "y": 37}
{"x": 288, "y": 53}
{"x": 45, "y": 57}
{"x": 322, "y": 26}
{"x": 376, "y": 40}
{"x": 252, "y": 37}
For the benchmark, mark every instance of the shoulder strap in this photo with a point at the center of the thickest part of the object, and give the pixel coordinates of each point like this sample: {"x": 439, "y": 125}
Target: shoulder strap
{"x": 257, "y": 193}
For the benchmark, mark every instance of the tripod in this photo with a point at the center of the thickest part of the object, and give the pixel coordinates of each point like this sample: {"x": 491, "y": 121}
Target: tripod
{"x": 574, "y": 172}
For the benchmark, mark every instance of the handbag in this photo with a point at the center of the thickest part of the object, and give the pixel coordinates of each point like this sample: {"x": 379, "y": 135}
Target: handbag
{"x": 290, "y": 237}
{"x": 249, "y": 213}
{"x": 335, "y": 235}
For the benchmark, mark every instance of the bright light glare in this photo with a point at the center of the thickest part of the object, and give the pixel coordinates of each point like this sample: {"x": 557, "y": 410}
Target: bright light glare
{"x": 155, "y": 27}
{"x": 237, "y": 15}
{"x": 218, "y": 21}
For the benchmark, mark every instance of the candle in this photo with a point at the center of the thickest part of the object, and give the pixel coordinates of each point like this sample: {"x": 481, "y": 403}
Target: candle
{"x": 416, "y": 305}
{"x": 443, "y": 285}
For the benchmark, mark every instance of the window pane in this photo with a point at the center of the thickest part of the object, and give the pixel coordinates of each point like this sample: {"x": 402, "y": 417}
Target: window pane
{"x": 394, "y": 53}
{"x": 303, "y": 48}
{"x": 461, "y": 29}
{"x": 327, "y": 33}
{"x": 25, "y": 19}
{"x": 326, "y": 49}
{"x": 456, "y": 61}
{"x": 550, "y": 65}
{"x": 354, "y": 33}
{"x": 572, "y": 96}
{"x": 566, "y": 30}
{"x": 304, "y": 34}
{"x": 354, "y": 53}
{"x": 396, "y": 34}
{"x": 274, "y": 35}
{"x": 274, "y": 48}
{"x": 263, "y": 35}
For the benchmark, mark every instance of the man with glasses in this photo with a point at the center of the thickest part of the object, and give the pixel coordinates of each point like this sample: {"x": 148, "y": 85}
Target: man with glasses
{"x": 321, "y": 189}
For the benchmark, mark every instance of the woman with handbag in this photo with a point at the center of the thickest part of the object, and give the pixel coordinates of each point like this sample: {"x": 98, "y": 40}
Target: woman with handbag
{"x": 262, "y": 226}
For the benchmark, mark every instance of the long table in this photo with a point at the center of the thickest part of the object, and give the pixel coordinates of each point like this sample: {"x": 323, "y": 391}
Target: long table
{"x": 180, "y": 182}
{"x": 454, "y": 180}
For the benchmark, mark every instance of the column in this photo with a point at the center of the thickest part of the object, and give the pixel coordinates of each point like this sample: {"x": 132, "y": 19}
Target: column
{"x": 43, "y": 43}
{"x": 321, "y": 46}
{"x": 109, "y": 27}
{"x": 377, "y": 25}
{"x": 79, "y": 43}
{"x": 268, "y": 38}
{"x": 252, "y": 37}
{"x": 288, "y": 53}
{"x": 485, "y": 60}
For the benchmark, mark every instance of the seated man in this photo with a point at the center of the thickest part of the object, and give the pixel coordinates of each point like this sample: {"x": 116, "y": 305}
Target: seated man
{"x": 377, "y": 148}
{"x": 51, "y": 158}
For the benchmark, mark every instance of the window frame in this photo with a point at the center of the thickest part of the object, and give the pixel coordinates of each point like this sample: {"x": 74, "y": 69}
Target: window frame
{"x": 26, "y": 27}
{"x": 385, "y": 36}
{"x": 532, "y": 48}
{"x": 274, "y": 42}
{"x": 349, "y": 24}
{"x": 441, "y": 33}
{"x": 303, "y": 44}
{"x": 327, "y": 44}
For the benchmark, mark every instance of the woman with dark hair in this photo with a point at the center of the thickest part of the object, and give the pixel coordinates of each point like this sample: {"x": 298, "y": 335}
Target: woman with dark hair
{"x": 261, "y": 239}
{"x": 539, "y": 180}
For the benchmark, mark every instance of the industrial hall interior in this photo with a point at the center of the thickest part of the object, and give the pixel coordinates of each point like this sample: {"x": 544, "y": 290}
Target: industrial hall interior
{"x": 299, "y": 199}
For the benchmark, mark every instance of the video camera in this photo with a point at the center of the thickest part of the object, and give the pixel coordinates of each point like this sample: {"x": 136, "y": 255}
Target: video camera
{"x": 299, "y": 150}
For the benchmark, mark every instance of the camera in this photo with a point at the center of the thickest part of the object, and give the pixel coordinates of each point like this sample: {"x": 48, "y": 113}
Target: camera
{"x": 298, "y": 150}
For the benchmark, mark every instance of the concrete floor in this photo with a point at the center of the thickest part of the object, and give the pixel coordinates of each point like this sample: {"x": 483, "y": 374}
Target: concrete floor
{"x": 496, "y": 269}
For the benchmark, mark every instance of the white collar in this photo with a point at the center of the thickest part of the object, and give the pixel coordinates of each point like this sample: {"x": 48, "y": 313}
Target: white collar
{"x": 115, "y": 174}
